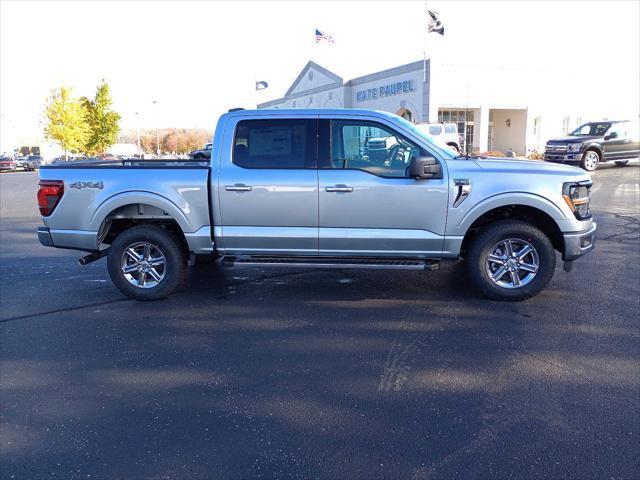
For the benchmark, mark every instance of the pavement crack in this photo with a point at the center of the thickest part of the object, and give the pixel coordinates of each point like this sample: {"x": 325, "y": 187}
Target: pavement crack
{"x": 61, "y": 310}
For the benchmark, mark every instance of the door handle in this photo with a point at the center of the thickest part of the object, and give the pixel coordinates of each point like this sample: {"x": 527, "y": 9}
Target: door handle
{"x": 238, "y": 188}
{"x": 339, "y": 188}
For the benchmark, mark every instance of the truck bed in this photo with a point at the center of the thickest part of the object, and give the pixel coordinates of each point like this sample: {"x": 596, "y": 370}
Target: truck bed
{"x": 96, "y": 192}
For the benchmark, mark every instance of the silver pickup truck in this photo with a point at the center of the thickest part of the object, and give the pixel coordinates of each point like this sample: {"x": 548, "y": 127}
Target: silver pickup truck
{"x": 298, "y": 188}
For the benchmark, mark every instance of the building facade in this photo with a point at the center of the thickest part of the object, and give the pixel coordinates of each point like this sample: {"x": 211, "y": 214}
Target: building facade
{"x": 495, "y": 109}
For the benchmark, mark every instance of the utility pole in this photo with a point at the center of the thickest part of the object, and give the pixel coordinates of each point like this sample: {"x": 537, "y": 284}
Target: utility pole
{"x": 138, "y": 132}
{"x": 155, "y": 102}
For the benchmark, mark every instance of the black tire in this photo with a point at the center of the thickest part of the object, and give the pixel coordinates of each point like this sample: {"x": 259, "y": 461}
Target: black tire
{"x": 174, "y": 269}
{"x": 479, "y": 249}
{"x": 199, "y": 157}
{"x": 588, "y": 159}
{"x": 622, "y": 162}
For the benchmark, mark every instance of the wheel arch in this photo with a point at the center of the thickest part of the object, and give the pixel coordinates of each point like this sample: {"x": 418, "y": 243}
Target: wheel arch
{"x": 542, "y": 218}
{"x": 135, "y": 208}
{"x": 595, "y": 147}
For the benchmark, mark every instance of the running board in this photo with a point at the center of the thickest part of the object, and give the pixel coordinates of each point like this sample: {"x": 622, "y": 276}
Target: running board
{"x": 331, "y": 262}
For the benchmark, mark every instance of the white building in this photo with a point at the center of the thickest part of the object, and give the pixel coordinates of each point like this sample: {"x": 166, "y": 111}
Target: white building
{"x": 496, "y": 109}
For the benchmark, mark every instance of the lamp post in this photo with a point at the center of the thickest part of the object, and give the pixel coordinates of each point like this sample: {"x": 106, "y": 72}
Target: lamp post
{"x": 155, "y": 102}
{"x": 138, "y": 132}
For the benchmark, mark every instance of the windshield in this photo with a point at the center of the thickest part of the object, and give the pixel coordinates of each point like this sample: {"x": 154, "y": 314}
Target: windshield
{"x": 591, "y": 129}
{"x": 446, "y": 153}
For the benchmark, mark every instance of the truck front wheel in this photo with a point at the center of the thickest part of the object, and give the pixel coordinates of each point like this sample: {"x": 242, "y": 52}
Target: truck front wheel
{"x": 510, "y": 260}
{"x": 590, "y": 160}
{"x": 147, "y": 262}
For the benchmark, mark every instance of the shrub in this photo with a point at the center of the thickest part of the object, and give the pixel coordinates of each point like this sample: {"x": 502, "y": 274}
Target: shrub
{"x": 492, "y": 154}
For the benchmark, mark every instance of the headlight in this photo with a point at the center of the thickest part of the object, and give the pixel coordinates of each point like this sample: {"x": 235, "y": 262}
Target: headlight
{"x": 574, "y": 147}
{"x": 577, "y": 196}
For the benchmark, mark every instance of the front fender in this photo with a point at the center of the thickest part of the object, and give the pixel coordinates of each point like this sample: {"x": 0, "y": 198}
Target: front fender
{"x": 464, "y": 220}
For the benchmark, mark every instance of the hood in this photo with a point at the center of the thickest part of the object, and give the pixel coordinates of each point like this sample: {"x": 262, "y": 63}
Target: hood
{"x": 508, "y": 165}
{"x": 575, "y": 139}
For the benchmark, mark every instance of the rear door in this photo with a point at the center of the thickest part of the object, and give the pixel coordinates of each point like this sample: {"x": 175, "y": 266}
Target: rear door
{"x": 616, "y": 142}
{"x": 368, "y": 206}
{"x": 268, "y": 186}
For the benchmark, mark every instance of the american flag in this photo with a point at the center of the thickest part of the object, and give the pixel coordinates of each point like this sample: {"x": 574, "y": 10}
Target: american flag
{"x": 323, "y": 36}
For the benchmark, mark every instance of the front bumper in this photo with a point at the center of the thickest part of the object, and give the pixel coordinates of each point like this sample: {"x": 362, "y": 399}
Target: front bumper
{"x": 577, "y": 244}
{"x": 563, "y": 157}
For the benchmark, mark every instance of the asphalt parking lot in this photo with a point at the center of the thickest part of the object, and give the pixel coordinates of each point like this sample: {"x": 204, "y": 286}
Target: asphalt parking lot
{"x": 331, "y": 374}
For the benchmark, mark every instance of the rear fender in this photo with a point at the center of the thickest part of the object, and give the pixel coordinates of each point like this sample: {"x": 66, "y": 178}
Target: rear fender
{"x": 169, "y": 209}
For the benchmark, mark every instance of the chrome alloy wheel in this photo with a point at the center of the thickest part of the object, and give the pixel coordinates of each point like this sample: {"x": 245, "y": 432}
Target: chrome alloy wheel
{"x": 590, "y": 161}
{"x": 512, "y": 263}
{"x": 143, "y": 265}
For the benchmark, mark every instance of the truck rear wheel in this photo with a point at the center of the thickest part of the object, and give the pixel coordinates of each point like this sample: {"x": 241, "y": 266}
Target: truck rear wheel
{"x": 510, "y": 260}
{"x": 147, "y": 262}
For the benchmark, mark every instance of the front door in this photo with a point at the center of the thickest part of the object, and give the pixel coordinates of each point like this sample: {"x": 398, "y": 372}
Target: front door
{"x": 367, "y": 204}
{"x": 268, "y": 187}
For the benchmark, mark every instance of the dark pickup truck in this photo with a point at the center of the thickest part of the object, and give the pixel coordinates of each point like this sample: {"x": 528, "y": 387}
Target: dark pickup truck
{"x": 596, "y": 142}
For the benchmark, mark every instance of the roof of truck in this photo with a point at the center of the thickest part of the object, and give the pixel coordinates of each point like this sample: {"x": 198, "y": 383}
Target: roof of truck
{"x": 309, "y": 111}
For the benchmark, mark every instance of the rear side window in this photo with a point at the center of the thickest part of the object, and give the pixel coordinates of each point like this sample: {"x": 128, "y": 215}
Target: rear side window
{"x": 275, "y": 144}
{"x": 450, "y": 129}
{"x": 434, "y": 129}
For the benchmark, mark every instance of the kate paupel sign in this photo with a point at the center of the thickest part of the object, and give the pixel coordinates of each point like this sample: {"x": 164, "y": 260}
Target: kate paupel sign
{"x": 389, "y": 90}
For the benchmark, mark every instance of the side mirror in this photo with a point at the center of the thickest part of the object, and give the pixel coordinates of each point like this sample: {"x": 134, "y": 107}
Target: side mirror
{"x": 424, "y": 167}
{"x": 611, "y": 136}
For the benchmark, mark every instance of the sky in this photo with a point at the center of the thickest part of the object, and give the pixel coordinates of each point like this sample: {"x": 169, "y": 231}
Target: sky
{"x": 197, "y": 59}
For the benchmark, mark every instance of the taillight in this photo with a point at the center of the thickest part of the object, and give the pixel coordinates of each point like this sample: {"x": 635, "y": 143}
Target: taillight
{"x": 49, "y": 195}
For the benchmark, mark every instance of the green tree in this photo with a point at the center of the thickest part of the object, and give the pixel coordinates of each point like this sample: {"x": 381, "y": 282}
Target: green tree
{"x": 66, "y": 121}
{"x": 102, "y": 121}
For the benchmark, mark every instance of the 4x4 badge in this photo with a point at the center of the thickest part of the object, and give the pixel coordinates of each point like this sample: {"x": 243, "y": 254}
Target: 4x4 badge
{"x": 80, "y": 185}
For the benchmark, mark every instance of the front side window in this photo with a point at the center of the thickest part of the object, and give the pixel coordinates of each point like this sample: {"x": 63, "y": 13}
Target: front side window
{"x": 370, "y": 147}
{"x": 591, "y": 129}
{"x": 275, "y": 144}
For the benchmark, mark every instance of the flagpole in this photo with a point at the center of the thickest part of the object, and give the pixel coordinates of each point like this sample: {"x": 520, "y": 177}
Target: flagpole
{"x": 424, "y": 45}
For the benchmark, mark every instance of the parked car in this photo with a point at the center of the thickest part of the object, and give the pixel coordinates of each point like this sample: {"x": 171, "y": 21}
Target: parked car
{"x": 32, "y": 162}
{"x": 7, "y": 164}
{"x": 443, "y": 133}
{"x": 280, "y": 194}
{"x": 203, "y": 154}
{"x": 596, "y": 142}
{"x": 21, "y": 162}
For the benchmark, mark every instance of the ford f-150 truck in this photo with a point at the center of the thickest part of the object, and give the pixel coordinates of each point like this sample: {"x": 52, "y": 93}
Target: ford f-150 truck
{"x": 593, "y": 143}
{"x": 296, "y": 188}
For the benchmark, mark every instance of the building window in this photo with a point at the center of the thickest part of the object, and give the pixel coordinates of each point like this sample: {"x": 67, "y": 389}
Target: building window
{"x": 536, "y": 127}
{"x": 464, "y": 122}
